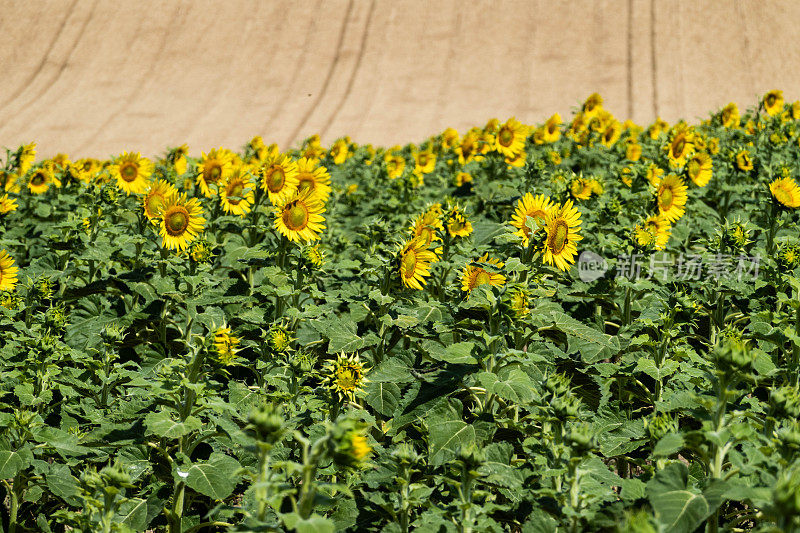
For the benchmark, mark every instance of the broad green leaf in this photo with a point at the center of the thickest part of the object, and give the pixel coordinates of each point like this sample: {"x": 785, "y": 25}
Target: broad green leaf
{"x": 216, "y": 478}
{"x": 446, "y": 438}
{"x": 162, "y": 424}
{"x": 383, "y": 396}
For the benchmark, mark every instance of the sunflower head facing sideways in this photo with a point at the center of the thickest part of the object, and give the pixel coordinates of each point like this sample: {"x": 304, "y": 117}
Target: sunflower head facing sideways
{"x": 562, "y": 225}
{"x": 214, "y": 168}
{"x": 181, "y": 221}
{"x": 457, "y": 223}
{"x": 786, "y": 192}
{"x": 653, "y": 232}
{"x": 156, "y": 198}
{"x": 414, "y": 262}
{"x": 8, "y": 272}
{"x": 680, "y": 146}
{"x": 41, "y": 178}
{"x": 427, "y": 226}
{"x": 699, "y": 169}
{"x": 744, "y": 161}
{"x": 533, "y": 208}
{"x": 671, "y": 197}
{"x": 313, "y": 179}
{"x": 132, "y": 172}
{"x": 300, "y": 218}
{"x": 7, "y": 205}
{"x": 483, "y": 271}
{"x": 236, "y": 192}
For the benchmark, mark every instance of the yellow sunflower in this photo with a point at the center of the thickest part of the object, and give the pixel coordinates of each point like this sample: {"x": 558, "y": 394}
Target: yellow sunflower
{"x": 314, "y": 179}
{"x": 300, "y": 219}
{"x": 426, "y": 226}
{"x": 633, "y": 152}
{"x": 773, "y": 102}
{"x": 236, "y": 192}
{"x": 7, "y": 205}
{"x": 450, "y": 138}
{"x": 156, "y": 198}
{"x": 592, "y": 106}
{"x": 41, "y": 178}
{"x": 181, "y": 221}
{"x": 415, "y": 263}
{"x": 580, "y": 188}
{"x": 611, "y": 133}
{"x": 699, "y": 169}
{"x": 395, "y": 164}
{"x": 529, "y": 206}
{"x": 26, "y": 154}
{"x": 345, "y": 378}
{"x": 653, "y": 231}
{"x": 510, "y": 138}
{"x": 469, "y": 149}
{"x": 88, "y": 169}
{"x": 562, "y": 226}
{"x": 518, "y": 160}
{"x": 279, "y": 178}
{"x": 474, "y": 274}
{"x": 786, "y": 191}
{"x": 671, "y": 197}
{"x": 550, "y": 130}
{"x": 463, "y": 178}
{"x": 9, "y": 182}
{"x": 729, "y": 116}
{"x": 214, "y": 168}
{"x": 8, "y": 272}
{"x": 424, "y": 162}
{"x": 177, "y": 156}
{"x": 680, "y": 146}
{"x": 132, "y": 172}
{"x": 457, "y": 223}
{"x": 340, "y": 151}
{"x": 744, "y": 161}
{"x": 225, "y": 345}
{"x": 656, "y": 128}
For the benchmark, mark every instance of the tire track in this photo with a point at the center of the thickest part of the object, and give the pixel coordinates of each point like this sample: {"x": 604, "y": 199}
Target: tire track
{"x": 140, "y": 86}
{"x": 326, "y": 83}
{"x": 40, "y": 67}
{"x": 350, "y": 82}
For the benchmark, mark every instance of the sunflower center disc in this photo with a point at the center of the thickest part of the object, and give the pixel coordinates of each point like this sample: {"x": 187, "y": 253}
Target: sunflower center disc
{"x": 694, "y": 168}
{"x": 677, "y": 149}
{"x": 276, "y": 180}
{"x": 128, "y": 172}
{"x": 483, "y": 278}
{"x": 559, "y": 239}
{"x": 177, "y": 222}
{"x": 297, "y": 217}
{"x": 306, "y": 183}
{"x": 37, "y": 179}
{"x": 214, "y": 173}
{"x": 409, "y": 263}
{"x": 506, "y": 137}
{"x": 665, "y": 198}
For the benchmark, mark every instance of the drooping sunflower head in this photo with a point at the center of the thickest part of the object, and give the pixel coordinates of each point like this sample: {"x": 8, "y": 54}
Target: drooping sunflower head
{"x": 7, "y": 205}
{"x": 519, "y": 300}
{"x": 177, "y": 157}
{"x": 773, "y": 102}
{"x": 236, "y": 192}
{"x": 550, "y": 130}
{"x": 699, "y": 169}
{"x": 313, "y": 179}
{"x": 510, "y": 138}
{"x": 214, "y": 168}
{"x": 483, "y": 271}
{"x": 654, "y": 231}
{"x": 457, "y": 223}
{"x": 344, "y": 376}
{"x": 156, "y": 198}
{"x": 8, "y": 272}
{"x": 414, "y": 260}
{"x": 530, "y": 208}
{"x": 671, "y": 197}
{"x": 786, "y": 191}
{"x": 314, "y": 255}
{"x": 561, "y": 227}
{"x": 300, "y": 219}
{"x": 9, "y": 182}
{"x": 181, "y": 221}
{"x": 744, "y": 161}
{"x": 132, "y": 172}
{"x": 225, "y": 345}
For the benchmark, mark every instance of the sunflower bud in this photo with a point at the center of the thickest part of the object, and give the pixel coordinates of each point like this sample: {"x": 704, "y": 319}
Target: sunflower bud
{"x": 267, "y": 422}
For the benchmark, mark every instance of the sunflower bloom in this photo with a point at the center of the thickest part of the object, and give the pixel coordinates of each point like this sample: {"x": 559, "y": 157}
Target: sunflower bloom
{"x": 744, "y": 161}
{"x": 457, "y": 224}
{"x": 225, "y": 345}
{"x": 592, "y": 106}
{"x": 426, "y": 226}
{"x": 729, "y": 116}
{"x": 671, "y": 198}
{"x": 611, "y": 133}
{"x": 132, "y": 172}
{"x": 314, "y": 179}
{"x": 469, "y": 149}
{"x": 475, "y": 275}
{"x": 340, "y": 151}
{"x": 450, "y": 138}
{"x": 786, "y": 191}
{"x": 26, "y": 154}
{"x": 424, "y": 162}
{"x": 40, "y": 179}
{"x": 300, "y": 219}
{"x": 773, "y": 102}
{"x": 156, "y": 198}
{"x": 510, "y": 138}
{"x": 680, "y": 146}
{"x": 699, "y": 169}
{"x": 344, "y": 376}
{"x": 279, "y": 178}
{"x": 550, "y": 130}
{"x": 580, "y": 189}
{"x": 562, "y": 226}
{"x": 7, "y": 205}
{"x": 529, "y": 206}
{"x": 653, "y": 231}
{"x": 395, "y": 164}
{"x": 415, "y": 263}
{"x": 181, "y": 221}
{"x": 8, "y": 272}
{"x": 214, "y": 168}
{"x": 236, "y": 193}
{"x": 517, "y": 160}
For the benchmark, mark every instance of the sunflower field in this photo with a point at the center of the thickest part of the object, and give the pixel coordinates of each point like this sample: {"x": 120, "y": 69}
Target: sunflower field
{"x": 587, "y": 325}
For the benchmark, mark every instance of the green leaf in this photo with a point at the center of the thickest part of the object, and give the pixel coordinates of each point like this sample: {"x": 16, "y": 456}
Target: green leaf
{"x": 446, "y": 437}
{"x": 458, "y": 353}
{"x": 11, "y": 463}
{"x": 216, "y": 478}
{"x": 383, "y": 396}
{"x": 679, "y": 508}
{"x": 162, "y": 425}
{"x": 668, "y": 445}
{"x": 593, "y": 345}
